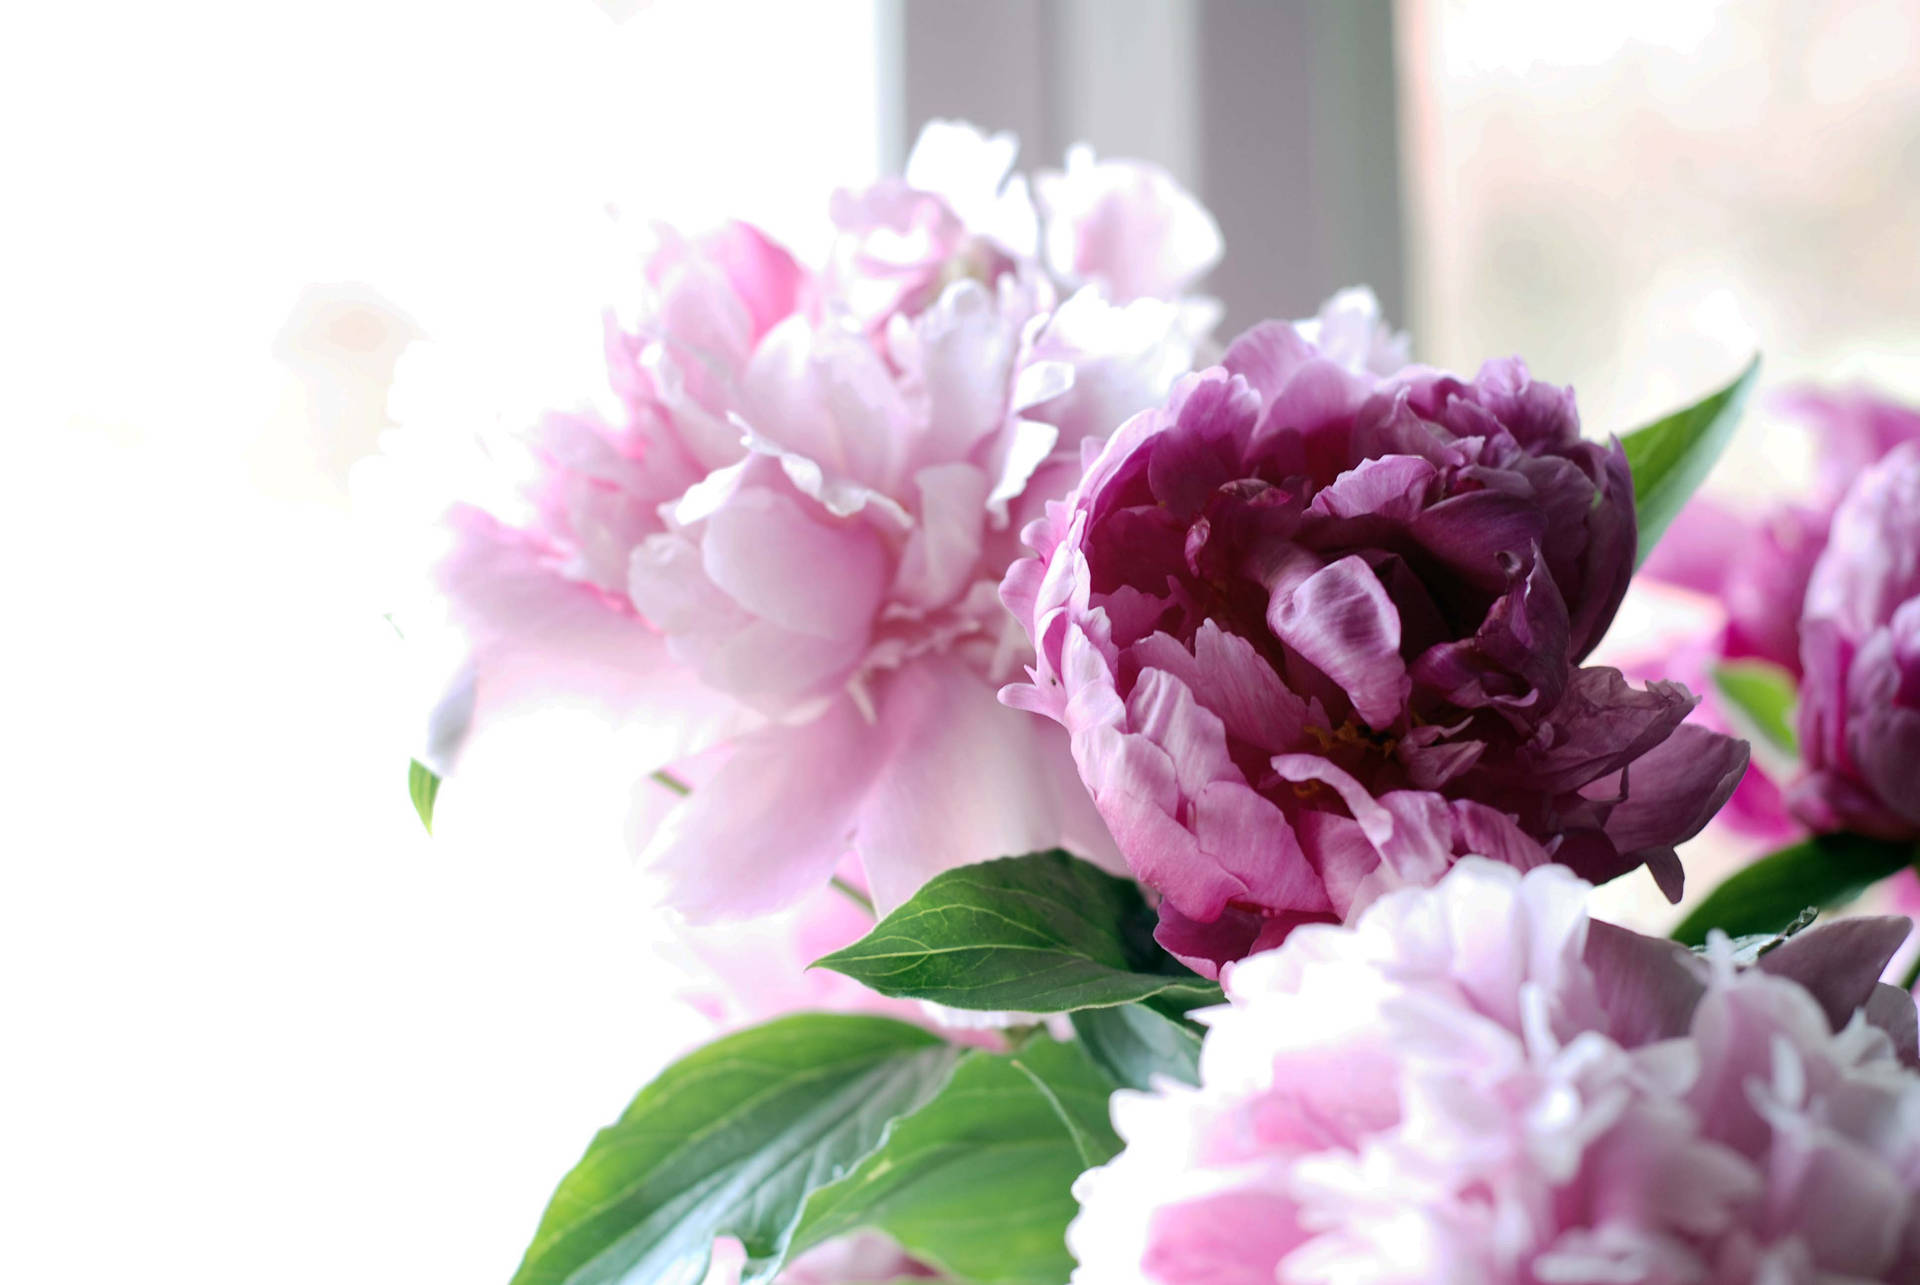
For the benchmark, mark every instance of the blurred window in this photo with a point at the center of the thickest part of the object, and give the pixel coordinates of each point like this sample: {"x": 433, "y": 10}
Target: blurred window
{"x": 1634, "y": 194}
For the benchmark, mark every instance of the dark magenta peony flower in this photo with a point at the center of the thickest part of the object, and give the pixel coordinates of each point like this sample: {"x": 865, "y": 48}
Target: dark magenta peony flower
{"x": 1860, "y": 657}
{"x": 1315, "y": 631}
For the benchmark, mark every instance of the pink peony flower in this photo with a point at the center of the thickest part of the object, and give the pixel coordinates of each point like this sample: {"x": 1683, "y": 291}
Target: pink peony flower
{"x": 1756, "y": 567}
{"x": 1314, "y": 631}
{"x": 1125, "y": 226}
{"x": 781, "y": 550}
{"x": 1475, "y": 1083}
{"x": 957, "y": 212}
{"x": 1860, "y": 650}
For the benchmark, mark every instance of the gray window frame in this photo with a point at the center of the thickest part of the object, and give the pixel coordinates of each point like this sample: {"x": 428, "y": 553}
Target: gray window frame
{"x": 1282, "y": 114}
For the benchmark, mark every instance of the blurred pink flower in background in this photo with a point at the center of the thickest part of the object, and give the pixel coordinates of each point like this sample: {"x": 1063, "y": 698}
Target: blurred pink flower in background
{"x": 1315, "y": 626}
{"x": 781, "y": 550}
{"x": 1756, "y": 569}
{"x": 1860, "y": 656}
{"x": 1475, "y": 1082}
{"x": 1126, "y": 227}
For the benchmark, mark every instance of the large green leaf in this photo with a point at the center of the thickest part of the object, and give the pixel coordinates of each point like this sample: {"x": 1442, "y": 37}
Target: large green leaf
{"x": 423, "y": 787}
{"x": 1671, "y": 457}
{"x": 1133, "y": 1043}
{"x": 1043, "y": 933}
{"x": 1066, "y": 1077}
{"x": 1769, "y": 895}
{"x": 732, "y": 1140}
{"x": 978, "y": 1182}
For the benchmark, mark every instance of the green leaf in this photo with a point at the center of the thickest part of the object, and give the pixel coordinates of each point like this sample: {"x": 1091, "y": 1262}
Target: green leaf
{"x": 1762, "y": 695}
{"x": 423, "y": 787}
{"x": 1748, "y": 950}
{"x": 1060, "y": 1072}
{"x": 1769, "y": 895}
{"x": 1671, "y": 457}
{"x": 1043, "y": 933}
{"x": 732, "y": 1140}
{"x": 1133, "y": 1043}
{"x": 978, "y": 1183}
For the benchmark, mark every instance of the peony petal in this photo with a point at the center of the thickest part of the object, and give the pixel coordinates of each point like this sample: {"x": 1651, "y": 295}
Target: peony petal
{"x": 1211, "y": 417}
{"x": 1600, "y": 725}
{"x": 1127, "y": 225}
{"x": 1250, "y": 839}
{"x": 966, "y": 354}
{"x": 1675, "y": 788}
{"x": 772, "y": 823}
{"x": 1206, "y": 945}
{"x": 963, "y": 779}
{"x": 1375, "y": 821}
{"x": 1266, "y": 355}
{"x": 1648, "y": 987}
{"x": 828, "y": 398}
{"x": 1891, "y": 1009}
{"x": 1132, "y": 780}
{"x": 786, "y": 567}
{"x": 942, "y": 555}
{"x": 1481, "y": 534}
{"x": 1341, "y": 621}
{"x": 1226, "y": 674}
{"x": 1163, "y": 709}
{"x": 535, "y": 640}
{"x": 1872, "y": 560}
{"x": 1840, "y": 962}
{"x": 1234, "y": 1238}
{"x": 1391, "y": 487}
{"x": 759, "y": 662}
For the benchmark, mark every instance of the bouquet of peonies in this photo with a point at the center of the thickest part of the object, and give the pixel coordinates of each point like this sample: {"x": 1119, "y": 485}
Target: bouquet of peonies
{"x": 1183, "y": 765}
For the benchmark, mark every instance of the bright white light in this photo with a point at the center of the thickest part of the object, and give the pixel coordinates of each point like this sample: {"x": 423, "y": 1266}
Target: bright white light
{"x": 258, "y": 1026}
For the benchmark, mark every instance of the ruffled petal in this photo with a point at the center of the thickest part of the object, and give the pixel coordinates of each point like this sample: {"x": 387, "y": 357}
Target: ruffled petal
{"x": 964, "y": 779}
{"x": 772, "y": 822}
{"x": 535, "y": 640}
{"x": 1342, "y": 622}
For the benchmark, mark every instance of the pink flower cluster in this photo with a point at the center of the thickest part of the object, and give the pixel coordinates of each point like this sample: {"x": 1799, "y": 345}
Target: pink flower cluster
{"x": 1476, "y": 1083}
{"x": 782, "y": 550}
{"x": 1315, "y": 625}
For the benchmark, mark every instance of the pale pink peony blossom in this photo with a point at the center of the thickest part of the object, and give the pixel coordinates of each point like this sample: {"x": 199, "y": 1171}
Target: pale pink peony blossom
{"x": 1475, "y": 1083}
{"x": 1126, "y": 227}
{"x": 782, "y": 547}
{"x": 959, "y": 211}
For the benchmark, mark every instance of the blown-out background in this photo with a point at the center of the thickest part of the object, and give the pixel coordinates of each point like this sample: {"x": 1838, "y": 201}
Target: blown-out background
{"x": 258, "y": 1025}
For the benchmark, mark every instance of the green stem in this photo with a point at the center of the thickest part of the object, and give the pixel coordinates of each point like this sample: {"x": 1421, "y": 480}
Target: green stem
{"x": 1912, "y": 978}
{"x": 854, "y": 895}
{"x": 673, "y": 783}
